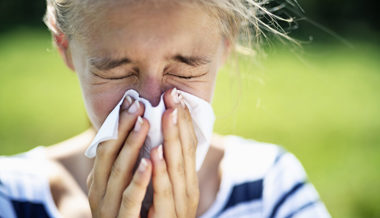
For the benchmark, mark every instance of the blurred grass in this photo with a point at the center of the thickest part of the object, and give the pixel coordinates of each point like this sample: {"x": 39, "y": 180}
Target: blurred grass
{"x": 324, "y": 107}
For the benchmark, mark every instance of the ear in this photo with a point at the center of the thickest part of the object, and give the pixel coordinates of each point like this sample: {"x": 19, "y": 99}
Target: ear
{"x": 62, "y": 43}
{"x": 227, "y": 44}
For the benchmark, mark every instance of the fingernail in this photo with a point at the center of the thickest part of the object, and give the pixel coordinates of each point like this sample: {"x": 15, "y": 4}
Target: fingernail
{"x": 134, "y": 107}
{"x": 160, "y": 152}
{"x": 129, "y": 99}
{"x": 174, "y": 116}
{"x": 138, "y": 124}
{"x": 127, "y": 102}
{"x": 174, "y": 94}
{"x": 182, "y": 100}
{"x": 143, "y": 165}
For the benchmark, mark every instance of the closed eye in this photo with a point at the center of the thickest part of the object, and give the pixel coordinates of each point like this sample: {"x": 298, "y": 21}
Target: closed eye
{"x": 115, "y": 78}
{"x": 118, "y": 78}
{"x": 186, "y": 77}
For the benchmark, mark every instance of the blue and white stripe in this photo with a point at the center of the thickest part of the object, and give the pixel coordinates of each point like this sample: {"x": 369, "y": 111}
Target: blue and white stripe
{"x": 264, "y": 181}
{"x": 24, "y": 186}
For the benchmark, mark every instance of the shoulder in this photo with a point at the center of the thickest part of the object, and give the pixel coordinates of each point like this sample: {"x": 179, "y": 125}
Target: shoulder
{"x": 24, "y": 185}
{"x": 247, "y": 159}
{"x": 33, "y": 185}
{"x": 267, "y": 179}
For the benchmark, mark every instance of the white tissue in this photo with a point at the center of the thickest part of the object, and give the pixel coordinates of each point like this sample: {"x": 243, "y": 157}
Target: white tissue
{"x": 201, "y": 112}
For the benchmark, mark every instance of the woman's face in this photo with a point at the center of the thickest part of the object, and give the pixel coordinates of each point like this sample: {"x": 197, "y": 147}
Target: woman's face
{"x": 149, "y": 49}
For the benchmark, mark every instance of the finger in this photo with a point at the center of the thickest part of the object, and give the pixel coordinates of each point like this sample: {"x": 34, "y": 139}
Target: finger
{"x": 174, "y": 158}
{"x": 163, "y": 202}
{"x": 187, "y": 136}
{"x": 122, "y": 169}
{"x": 134, "y": 194}
{"x": 189, "y": 144}
{"x": 90, "y": 178}
{"x": 107, "y": 151}
{"x": 171, "y": 98}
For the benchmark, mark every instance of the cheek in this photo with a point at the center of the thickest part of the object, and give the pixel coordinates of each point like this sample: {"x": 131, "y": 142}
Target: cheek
{"x": 99, "y": 103}
{"x": 206, "y": 88}
{"x": 207, "y": 92}
{"x": 99, "y": 99}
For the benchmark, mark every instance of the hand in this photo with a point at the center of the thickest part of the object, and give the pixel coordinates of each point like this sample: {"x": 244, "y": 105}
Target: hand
{"x": 113, "y": 189}
{"x": 175, "y": 181}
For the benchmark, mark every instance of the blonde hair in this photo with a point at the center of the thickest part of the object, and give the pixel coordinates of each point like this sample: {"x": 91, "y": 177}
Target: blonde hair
{"x": 244, "y": 22}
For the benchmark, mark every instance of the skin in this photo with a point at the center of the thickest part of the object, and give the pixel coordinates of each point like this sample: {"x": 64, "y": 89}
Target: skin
{"x": 158, "y": 43}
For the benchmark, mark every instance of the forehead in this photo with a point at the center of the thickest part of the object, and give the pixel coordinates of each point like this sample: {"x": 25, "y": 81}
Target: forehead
{"x": 163, "y": 26}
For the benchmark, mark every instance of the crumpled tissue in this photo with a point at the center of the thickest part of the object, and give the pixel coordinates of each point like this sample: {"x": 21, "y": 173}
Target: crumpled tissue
{"x": 202, "y": 116}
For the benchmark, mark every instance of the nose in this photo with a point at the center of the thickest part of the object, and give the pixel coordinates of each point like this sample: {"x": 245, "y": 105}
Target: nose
{"x": 151, "y": 89}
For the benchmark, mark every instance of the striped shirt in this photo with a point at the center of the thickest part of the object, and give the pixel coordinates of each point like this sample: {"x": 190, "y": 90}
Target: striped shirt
{"x": 24, "y": 186}
{"x": 264, "y": 181}
{"x": 259, "y": 180}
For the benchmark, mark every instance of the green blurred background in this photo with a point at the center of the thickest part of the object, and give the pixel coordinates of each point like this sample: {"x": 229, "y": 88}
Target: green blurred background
{"x": 321, "y": 102}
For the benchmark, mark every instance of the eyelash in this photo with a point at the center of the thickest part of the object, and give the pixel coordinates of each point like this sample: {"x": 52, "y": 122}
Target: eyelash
{"x": 182, "y": 77}
{"x": 186, "y": 77}
{"x": 124, "y": 77}
{"x": 134, "y": 74}
{"x": 114, "y": 78}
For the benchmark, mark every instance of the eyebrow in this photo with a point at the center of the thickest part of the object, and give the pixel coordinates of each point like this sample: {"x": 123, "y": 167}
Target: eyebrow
{"x": 108, "y": 63}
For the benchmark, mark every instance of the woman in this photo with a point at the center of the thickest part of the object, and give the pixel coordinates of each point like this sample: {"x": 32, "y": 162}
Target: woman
{"x": 155, "y": 48}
